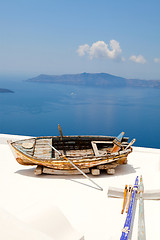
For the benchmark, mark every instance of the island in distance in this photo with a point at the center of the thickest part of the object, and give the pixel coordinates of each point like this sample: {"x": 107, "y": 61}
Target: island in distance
{"x": 4, "y": 90}
{"x": 95, "y": 79}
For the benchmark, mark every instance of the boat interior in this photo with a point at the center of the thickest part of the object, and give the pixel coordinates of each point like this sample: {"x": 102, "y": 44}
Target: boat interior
{"x": 70, "y": 146}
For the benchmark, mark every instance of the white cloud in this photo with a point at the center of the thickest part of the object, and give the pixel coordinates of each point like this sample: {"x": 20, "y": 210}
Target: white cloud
{"x": 138, "y": 59}
{"x": 83, "y": 49}
{"x": 157, "y": 60}
{"x": 100, "y": 49}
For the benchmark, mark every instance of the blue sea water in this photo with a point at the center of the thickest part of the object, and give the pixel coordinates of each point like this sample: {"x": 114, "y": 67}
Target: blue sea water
{"x": 35, "y": 109}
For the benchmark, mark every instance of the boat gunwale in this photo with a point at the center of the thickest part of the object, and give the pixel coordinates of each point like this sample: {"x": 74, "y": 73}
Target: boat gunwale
{"x": 83, "y": 159}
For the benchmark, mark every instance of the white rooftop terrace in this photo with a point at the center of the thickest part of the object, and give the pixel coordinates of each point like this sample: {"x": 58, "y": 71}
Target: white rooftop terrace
{"x": 69, "y": 207}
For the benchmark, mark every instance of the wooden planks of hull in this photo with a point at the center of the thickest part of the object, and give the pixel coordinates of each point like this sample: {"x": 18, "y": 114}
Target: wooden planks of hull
{"x": 63, "y": 172}
{"x": 86, "y": 152}
{"x": 42, "y": 149}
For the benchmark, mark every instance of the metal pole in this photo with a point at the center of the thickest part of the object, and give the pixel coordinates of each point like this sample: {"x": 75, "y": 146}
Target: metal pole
{"x": 76, "y": 167}
{"x": 141, "y": 221}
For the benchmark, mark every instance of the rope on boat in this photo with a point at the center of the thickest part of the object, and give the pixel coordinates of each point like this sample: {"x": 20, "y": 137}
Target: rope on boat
{"x": 131, "y": 211}
{"x": 100, "y": 188}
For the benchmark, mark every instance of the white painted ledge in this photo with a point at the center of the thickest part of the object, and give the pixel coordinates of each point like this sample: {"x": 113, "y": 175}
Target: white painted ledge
{"x": 89, "y": 212}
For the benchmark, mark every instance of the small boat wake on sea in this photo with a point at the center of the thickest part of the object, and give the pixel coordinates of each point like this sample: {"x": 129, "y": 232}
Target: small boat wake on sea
{"x": 69, "y": 154}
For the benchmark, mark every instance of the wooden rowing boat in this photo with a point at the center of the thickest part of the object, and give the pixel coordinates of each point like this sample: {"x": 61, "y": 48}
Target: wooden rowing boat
{"x": 89, "y": 153}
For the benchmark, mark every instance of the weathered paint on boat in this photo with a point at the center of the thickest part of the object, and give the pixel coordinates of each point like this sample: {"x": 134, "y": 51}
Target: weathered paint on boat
{"x": 79, "y": 149}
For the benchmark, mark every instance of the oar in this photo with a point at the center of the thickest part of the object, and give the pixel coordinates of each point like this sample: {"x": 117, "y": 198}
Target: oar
{"x": 117, "y": 143}
{"x": 130, "y": 144}
{"x": 124, "y": 199}
{"x": 61, "y": 133}
{"x": 76, "y": 167}
{"x": 128, "y": 197}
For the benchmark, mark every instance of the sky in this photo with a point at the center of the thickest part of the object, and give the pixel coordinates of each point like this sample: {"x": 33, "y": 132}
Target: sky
{"x": 118, "y": 37}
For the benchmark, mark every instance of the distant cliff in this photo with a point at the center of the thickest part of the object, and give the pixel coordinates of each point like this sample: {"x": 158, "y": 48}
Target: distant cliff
{"x": 95, "y": 79}
{"x": 4, "y": 90}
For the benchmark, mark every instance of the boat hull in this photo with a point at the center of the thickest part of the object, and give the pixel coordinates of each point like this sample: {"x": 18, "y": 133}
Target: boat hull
{"x": 36, "y": 151}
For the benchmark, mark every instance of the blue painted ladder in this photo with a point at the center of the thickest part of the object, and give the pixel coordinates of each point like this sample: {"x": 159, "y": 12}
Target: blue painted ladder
{"x": 131, "y": 211}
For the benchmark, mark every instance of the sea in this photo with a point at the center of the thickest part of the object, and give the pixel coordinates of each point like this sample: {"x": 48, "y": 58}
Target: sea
{"x": 36, "y": 109}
